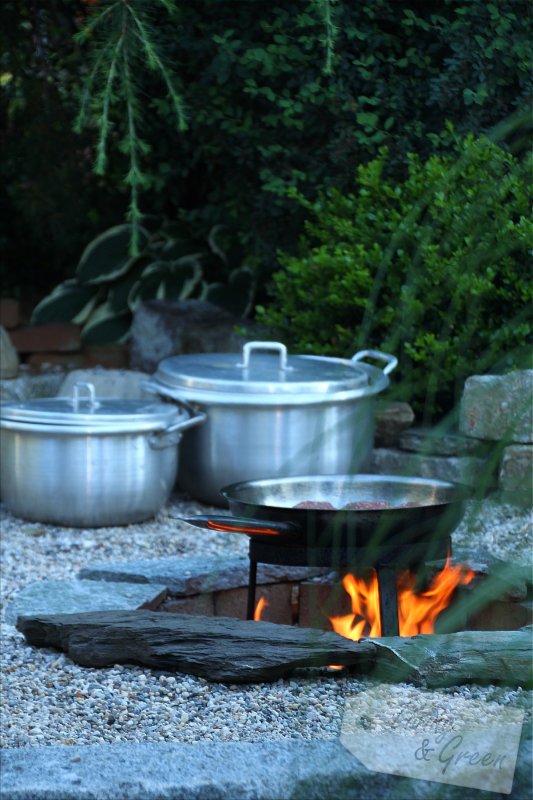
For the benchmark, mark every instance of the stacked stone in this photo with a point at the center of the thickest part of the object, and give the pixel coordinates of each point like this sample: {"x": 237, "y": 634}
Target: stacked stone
{"x": 491, "y": 449}
{"x": 498, "y": 409}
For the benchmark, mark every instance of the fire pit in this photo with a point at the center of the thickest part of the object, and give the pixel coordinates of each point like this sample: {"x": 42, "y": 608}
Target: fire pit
{"x": 387, "y": 523}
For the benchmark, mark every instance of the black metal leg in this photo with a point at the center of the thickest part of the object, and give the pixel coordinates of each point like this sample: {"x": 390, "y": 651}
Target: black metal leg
{"x": 252, "y": 578}
{"x": 388, "y": 601}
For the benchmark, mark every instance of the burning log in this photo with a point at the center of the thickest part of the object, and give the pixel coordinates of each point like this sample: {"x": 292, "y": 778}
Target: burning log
{"x": 236, "y": 651}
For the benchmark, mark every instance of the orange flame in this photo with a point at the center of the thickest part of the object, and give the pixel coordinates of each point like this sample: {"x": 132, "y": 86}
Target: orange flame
{"x": 417, "y": 613}
{"x": 261, "y": 604}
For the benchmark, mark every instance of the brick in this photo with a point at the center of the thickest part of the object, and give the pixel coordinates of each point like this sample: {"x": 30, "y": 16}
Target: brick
{"x": 63, "y": 337}
{"x": 9, "y": 312}
{"x": 65, "y": 360}
{"x": 501, "y": 616}
{"x": 318, "y": 601}
{"x": 279, "y": 596}
{"x": 112, "y": 356}
{"x": 197, "y": 604}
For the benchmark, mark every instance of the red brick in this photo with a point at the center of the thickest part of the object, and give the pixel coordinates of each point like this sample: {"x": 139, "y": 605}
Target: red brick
{"x": 197, "y": 604}
{"x": 65, "y": 360}
{"x": 320, "y": 600}
{"x": 111, "y": 356}
{"x": 9, "y": 312}
{"x": 62, "y": 337}
{"x": 232, "y": 603}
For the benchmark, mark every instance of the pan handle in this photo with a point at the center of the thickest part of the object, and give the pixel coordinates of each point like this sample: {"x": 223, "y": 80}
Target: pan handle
{"x": 251, "y": 527}
{"x": 392, "y": 361}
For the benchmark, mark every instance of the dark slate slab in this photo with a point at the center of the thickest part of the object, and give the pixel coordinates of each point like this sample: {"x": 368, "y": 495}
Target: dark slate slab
{"x": 193, "y": 575}
{"x": 67, "y": 597}
{"x": 239, "y": 651}
{"x": 270, "y": 770}
{"x": 469, "y": 470}
{"x": 431, "y": 441}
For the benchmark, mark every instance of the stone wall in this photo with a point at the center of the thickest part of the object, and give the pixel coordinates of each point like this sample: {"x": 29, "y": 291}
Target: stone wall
{"x": 491, "y": 447}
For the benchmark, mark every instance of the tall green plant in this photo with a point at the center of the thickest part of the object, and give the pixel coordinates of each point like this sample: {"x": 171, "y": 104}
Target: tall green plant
{"x": 123, "y": 39}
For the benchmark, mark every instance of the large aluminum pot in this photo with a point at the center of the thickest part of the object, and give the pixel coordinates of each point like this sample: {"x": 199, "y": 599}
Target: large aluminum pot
{"x": 272, "y": 415}
{"x": 88, "y": 462}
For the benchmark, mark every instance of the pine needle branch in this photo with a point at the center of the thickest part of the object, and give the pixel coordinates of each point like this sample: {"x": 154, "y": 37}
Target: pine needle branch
{"x": 326, "y": 8}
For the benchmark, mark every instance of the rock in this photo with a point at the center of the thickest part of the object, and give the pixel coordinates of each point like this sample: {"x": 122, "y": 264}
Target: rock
{"x": 391, "y": 419}
{"x": 28, "y": 387}
{"x": 163, "y": 328}
{"x": 119, "y": 383}
{"x": 431, "y": 441}
{"x": 193, "y": 575}
{"x": 9, "y": 360}
{"x": 222, "y": 649}
{"x": 65, "y": 597}
{"x": 498, "y": 407}
{"x": 468, "y": 470}
{"x": 516, "y": 471}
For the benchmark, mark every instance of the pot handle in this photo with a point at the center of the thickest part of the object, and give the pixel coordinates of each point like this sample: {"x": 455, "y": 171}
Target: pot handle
{"x": 171, "y": 435}
{"x": 249, "y": 347}
{"x": 392, "y": 361}
{"x": 250, "y": 527}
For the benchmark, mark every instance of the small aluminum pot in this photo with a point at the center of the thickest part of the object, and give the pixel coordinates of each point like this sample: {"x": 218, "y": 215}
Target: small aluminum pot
{"x": 271, "y": 415}
{"x": 87, "y": 462}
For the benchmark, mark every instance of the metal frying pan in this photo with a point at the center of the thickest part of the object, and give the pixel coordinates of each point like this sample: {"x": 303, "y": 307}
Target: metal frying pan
{"x": 388, "y": 510}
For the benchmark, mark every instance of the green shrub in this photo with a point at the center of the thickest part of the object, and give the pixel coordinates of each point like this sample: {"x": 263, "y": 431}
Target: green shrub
{"x": 433, "y": 268}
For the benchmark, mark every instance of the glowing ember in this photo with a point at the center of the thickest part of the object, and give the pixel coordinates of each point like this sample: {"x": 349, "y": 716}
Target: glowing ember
{"x": 417, "y": 613}
{"x": 261, "y": 604}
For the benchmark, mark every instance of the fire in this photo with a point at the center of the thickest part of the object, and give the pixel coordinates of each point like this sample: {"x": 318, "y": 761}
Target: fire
{"x": 261, "y": 604}
{"x": 417, "y": 613}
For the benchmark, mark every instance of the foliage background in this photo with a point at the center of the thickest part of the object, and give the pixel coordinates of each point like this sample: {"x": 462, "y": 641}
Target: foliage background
{"x": 262, "y": 115}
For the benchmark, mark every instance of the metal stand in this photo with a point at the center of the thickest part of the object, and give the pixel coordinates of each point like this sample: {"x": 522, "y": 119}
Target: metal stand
{"x": 391, "y": 562}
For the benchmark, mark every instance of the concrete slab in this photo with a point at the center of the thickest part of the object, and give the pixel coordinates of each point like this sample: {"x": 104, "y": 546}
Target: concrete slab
{"x": 67, "y": 597}
{"x": 193, "y": 575}
{"x": 272, "y": 770}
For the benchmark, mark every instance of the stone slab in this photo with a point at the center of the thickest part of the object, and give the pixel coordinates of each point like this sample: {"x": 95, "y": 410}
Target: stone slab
{"x": 67, "y": 597}
{"x": 391, "y": 419}
{"x": 498, "y": 407}
{"x": 431, "y": 441}
{"x": 9, "y": 360}
{"x": 193, "y": 575}
{"x": 468, "y": 470}
{"x": 270, "y": 770}
{"x": 27, "y": 386}
{"x": 516, "y": 470}
{"x": 109, "y": 383}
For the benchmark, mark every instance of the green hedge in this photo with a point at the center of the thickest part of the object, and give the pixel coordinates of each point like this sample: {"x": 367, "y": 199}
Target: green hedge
{"x": 434, "y": 268}
{"x": 262, "y": 114}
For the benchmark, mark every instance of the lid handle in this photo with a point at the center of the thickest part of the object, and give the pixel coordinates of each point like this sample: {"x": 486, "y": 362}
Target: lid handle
{"x": 76, "y": 399}
{"x": 249, "y": 347}
{"x": 392, "y": 361}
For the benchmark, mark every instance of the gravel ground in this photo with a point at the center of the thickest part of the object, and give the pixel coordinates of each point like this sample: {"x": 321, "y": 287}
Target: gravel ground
{"x": 48, "y": 700}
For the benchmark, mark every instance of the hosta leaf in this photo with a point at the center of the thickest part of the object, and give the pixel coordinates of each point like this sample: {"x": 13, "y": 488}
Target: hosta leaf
{"x": 68, "y": 302}
{"x": 236, "y": 295}
{"x": 107, "y": 257}
{"x": 106, "y": 326}
{"x": 119, "y": 292}
{"x": 166, "y": 280}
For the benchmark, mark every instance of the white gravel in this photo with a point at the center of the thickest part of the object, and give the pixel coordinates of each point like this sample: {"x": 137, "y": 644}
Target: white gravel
{"x": 48, "y": 700}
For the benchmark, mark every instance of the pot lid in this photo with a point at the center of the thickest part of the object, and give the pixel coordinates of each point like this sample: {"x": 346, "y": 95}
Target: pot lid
{"x": 84, "y": 409}
{"x": 257, "y": 371}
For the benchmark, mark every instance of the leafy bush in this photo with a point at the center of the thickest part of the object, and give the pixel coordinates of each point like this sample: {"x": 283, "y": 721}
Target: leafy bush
{"x": 433, "y": 268}
{"x": 262, "y": 113}
{"x": 110, "y": 283}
